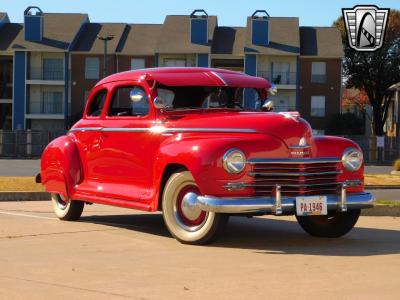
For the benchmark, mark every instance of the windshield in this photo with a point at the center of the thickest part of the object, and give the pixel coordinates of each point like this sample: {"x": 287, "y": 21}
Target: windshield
{"x": 192, "y": 97}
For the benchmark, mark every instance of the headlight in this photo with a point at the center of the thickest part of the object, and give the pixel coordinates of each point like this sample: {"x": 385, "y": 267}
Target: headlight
{"x": 234, "y": 161}
{"x": 352, "y": 159}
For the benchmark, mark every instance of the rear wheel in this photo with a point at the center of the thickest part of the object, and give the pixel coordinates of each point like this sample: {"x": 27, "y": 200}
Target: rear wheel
{"x": 187, "y": 223}
{"x": 66, "y": 209}
{"x": 333, "y": 225}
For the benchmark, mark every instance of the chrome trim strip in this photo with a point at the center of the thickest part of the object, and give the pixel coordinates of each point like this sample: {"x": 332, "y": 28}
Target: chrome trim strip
{"x": 86, "y": 129}
{"x": 219, "y": 77}
{"x": 110, "y": 129}
{"x": 236, "y": 130}
{"x": 294, "y": 185}
{"x": 166, "y": 130}
{"x": 230, "y": 186}
{"x": 294, "y": 161}
{"x": 293, "y": 174}
{"x": 300, "y": 147}
{"x": 268, "y": 205}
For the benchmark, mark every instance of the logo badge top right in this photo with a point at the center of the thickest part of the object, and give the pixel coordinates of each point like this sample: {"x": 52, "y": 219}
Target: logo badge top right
{"x": 366, "y": 26}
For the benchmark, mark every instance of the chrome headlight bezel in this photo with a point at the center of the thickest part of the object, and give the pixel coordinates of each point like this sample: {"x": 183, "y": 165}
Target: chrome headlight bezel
{"x": 352, "y": 159}
{"x": 234, "y": 161}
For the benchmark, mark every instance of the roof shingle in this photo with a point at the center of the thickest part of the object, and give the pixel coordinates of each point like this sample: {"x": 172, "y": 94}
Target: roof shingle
{"x": 321, "y": 41}
{"x": 141, "y": 39}
{"x": 59, "y": 31}
{"x": 229, "y": 40}
{"x": 284, "y": 37}
{"x": 88, "y": 41}
{"x": 175, "y": 36}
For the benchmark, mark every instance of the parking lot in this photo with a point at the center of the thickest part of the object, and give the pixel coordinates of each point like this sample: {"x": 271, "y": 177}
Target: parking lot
{"x": 119, "y": 253}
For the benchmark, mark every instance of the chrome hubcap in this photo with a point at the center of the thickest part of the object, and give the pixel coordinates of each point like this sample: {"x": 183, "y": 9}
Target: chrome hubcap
{"x": 189, "y": 207}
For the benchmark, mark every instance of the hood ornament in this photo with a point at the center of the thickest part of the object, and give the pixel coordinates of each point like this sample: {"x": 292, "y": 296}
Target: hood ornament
{"x": 303, "y": 142}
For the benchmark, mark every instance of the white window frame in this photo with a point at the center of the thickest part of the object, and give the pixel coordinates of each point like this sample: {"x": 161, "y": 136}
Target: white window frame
{"x": 317, "y": 109}
{"x": 92, "y": 71}
{"x": 138, "y": 63}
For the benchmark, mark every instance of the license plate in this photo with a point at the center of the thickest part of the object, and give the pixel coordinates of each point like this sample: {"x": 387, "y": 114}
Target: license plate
{"x": 311, "y": 206}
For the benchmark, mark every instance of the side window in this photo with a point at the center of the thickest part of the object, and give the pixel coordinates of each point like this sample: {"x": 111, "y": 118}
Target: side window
{"x": 92, "y": 68}
{"x": 97, "y": 103}
{"x": 129, "y": 101}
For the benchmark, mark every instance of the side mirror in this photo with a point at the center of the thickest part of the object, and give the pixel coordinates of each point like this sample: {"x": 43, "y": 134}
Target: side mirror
{"x": 273, "y": 90}
{"x": 268, "y": 106}
{"x": 136, "y": 95}
{"x": 158, "y": 103}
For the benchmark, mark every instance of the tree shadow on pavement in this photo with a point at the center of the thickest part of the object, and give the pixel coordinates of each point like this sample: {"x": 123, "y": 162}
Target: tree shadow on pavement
{"x": 271, "y": 236}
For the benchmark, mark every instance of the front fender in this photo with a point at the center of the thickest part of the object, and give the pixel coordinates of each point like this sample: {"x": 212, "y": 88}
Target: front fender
{"x": 202, "y": 156}
{"x": 61, "y": 167}
{"x": 333, "y": 146}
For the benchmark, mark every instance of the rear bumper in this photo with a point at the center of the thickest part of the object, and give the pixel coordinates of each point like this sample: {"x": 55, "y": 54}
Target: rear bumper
{"x": 276, "y": 205}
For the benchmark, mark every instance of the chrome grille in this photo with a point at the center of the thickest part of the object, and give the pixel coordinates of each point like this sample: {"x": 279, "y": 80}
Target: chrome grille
{"x": 305, "y": 176}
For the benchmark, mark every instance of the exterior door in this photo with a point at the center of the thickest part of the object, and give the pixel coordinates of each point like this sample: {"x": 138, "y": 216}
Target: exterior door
{"x": 128, "y": 147}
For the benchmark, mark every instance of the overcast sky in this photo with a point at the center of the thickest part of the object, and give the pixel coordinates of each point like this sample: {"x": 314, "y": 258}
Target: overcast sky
{"x": 229, "y": 12}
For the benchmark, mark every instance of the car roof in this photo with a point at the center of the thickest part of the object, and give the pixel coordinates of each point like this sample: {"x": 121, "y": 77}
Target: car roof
{"x": 191, "y": 77}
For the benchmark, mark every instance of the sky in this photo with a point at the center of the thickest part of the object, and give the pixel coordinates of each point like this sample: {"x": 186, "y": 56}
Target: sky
{"x": 229, "y": 12}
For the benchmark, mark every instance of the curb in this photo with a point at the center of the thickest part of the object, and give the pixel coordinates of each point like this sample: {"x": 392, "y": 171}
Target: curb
{"x": 382, "y": 211}
{"x": 24, "y": 196}
{"x": 382, "y": 187}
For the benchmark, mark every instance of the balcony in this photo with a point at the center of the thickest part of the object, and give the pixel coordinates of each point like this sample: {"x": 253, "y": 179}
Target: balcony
{"x": 279, "y": 78}
{"x": 46, "y": 75}
{"x": 5, "y": 92}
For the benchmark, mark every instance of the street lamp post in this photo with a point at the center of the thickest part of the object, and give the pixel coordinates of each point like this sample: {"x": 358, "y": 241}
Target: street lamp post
{"x": 105, "y": 39}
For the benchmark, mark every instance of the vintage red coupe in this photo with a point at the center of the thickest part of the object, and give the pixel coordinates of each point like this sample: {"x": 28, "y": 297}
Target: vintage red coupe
{"x": 178, "y": 140}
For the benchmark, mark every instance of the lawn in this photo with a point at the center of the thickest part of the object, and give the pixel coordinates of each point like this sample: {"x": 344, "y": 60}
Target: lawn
{"x": 19, "y": 184}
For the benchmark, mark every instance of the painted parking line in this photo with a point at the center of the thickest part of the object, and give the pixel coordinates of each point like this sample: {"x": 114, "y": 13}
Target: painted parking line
{"x": 26, "y": 215}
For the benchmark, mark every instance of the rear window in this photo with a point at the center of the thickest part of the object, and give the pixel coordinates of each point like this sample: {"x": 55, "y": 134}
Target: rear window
{"x": 191, "y": 97}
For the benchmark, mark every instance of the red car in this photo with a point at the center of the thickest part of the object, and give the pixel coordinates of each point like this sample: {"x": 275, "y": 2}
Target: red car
{"x": 178, "y": 140}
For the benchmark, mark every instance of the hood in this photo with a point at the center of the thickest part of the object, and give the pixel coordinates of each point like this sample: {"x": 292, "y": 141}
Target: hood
{"x": 284, "y": 126}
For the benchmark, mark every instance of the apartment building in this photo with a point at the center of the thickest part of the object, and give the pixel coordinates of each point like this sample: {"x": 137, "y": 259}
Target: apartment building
{"x": 320, "y": 64}
{"x": 271, "y": 51}
{"x": 185, "y": 41}
{"x": 87, "y": 61}
{"x": 53, "y": 60}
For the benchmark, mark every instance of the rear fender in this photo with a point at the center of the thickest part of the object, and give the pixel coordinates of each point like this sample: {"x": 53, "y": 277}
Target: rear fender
{"x": 61, "y": 167}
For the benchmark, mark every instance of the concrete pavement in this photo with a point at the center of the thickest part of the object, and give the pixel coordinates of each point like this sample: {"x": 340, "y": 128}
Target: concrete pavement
{"x": 19, "y": 167}
{"x": 117, "y": 253}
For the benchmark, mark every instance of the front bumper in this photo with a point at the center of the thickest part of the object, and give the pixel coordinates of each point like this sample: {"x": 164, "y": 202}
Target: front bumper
{"x": 275, "y": 205}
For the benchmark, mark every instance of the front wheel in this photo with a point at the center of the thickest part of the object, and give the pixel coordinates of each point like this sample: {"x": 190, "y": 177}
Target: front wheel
{"x": 333, "y": 225}
{"x": 66, "y": 209}
{"x": 187, "y": 223}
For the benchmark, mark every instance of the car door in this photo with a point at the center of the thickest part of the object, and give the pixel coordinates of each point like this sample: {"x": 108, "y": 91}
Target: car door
{"x": 128, "y": 146}
{"x": 88, "y": 136}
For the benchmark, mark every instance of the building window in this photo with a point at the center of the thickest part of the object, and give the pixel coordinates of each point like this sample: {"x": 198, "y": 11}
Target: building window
{"x": 174, "y": 62}
{"x": 318, "y": 132}
{"x": 51, "y": 102}
{"x": 318, "y": 72}
{"x": 137, "y": 63}
{"x": 92, "y": 68}
{"x": 53, "y": 69}
{"x": 318, "y": 106}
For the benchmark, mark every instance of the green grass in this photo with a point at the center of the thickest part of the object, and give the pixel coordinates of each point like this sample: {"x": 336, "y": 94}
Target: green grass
{"x": 388, "y": 202}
